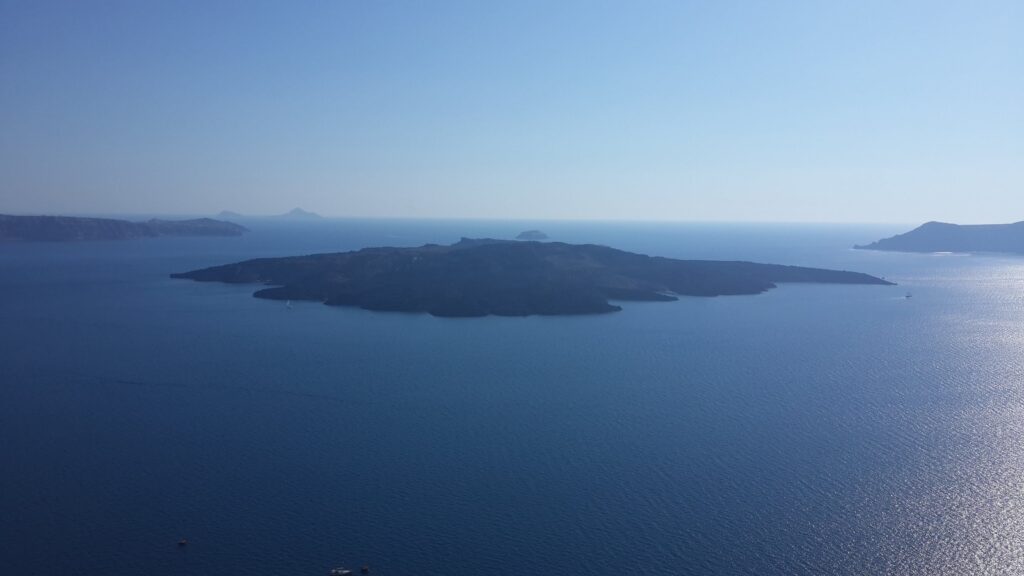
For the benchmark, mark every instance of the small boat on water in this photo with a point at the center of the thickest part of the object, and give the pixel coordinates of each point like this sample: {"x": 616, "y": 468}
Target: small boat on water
{"x": 909, "y": 295}
{"x": 340, "y": 572}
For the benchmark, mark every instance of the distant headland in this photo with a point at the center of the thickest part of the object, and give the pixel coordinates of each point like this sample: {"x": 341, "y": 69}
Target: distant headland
{"x": 944, "y": 237}
{"x": 506, "y": 278}
{"x": 70, "y": 228}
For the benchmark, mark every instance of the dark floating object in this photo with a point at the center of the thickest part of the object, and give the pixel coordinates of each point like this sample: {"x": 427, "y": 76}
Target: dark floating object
{"x": 909, "y": 295}
{"x": 506, "y": 278}
{"x": 182, "y": 542}
{"x": 365, "y": 569}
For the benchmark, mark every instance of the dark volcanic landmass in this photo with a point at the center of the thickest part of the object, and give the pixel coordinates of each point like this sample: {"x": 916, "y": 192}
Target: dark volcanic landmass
{"x": 505, "y": 278}
{"x": 68, "y": 228}
{"x": 943, "y": 237}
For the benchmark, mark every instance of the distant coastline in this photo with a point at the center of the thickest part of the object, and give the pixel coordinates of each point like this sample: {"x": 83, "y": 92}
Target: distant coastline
{"x": 72, "y": 228}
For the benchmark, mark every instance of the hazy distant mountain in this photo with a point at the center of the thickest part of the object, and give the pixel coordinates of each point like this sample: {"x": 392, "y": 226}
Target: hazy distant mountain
{"x": 300, "y": 214}
{"x": 505, "y": 278}
{"x": 68, "y": 228}
{"x": 945, "y": 237}
{"x": 293, "y": 214}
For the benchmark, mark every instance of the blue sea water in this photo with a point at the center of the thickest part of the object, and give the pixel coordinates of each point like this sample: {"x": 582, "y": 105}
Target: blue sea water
{"x": 809, "y": 430}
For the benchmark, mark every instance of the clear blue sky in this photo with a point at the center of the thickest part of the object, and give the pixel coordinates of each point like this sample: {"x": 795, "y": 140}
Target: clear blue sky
{"x": 792, "y": 111}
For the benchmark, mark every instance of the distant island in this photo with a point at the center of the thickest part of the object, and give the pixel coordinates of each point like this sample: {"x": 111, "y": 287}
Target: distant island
{"x": 532, "y": 235}
{"x": 293, "y": 214}
{"x": 70, "y": 228}
{"x": 944, "y": 237}
{"x": 505, "y": 278}
{"x": 300, "y": 214}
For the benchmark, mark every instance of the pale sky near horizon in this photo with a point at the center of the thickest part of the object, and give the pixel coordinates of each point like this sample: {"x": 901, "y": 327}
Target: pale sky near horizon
{"x": 875, "y": 111}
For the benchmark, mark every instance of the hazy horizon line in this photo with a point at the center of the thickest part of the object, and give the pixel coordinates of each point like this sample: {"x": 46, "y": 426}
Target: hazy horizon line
{"x": 584, "y": 219}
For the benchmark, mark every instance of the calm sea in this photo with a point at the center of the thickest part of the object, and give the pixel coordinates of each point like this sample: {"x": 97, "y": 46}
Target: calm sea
{"x": 810, "y": 430}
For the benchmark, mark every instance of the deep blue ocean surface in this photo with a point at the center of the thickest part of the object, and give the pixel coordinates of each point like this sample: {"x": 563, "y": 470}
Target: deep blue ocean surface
{"x": 810, "y": 430}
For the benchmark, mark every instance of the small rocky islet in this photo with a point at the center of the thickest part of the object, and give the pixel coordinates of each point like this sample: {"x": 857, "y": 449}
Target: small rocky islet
{"x": 532, "y": 235}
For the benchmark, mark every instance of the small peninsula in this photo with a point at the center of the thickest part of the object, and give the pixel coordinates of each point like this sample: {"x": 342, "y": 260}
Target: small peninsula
{"x": 70, "y": 228}
{"x": 505, "y": 278}
{"x": 945, "y": 237}
{"x": 532, "y": 235}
